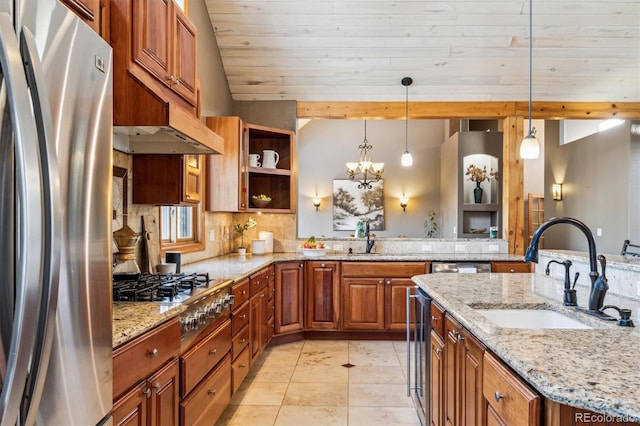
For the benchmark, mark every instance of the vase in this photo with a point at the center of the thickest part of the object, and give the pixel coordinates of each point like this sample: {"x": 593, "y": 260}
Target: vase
{"x": 242, "y": 251}
{"x": 477, "y": 193}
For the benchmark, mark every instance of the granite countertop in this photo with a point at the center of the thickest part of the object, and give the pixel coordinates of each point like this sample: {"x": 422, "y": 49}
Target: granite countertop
{"x": 594, "y": 369}
{"x": 133, "y": 319}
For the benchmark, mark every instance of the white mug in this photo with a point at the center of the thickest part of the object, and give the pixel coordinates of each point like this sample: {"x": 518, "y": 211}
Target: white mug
{"x": 270, "y": 159}
{"x": 253, "y": 160}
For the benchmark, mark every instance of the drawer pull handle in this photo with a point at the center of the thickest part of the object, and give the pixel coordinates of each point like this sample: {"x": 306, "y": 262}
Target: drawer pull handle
{"x": 213, "y": 351}
{"x": 434, "y": 319}
{"x": 147, "y": 393}
{"x": 243, "y": 316}
{"x": 211, "y": 392}
{"x": 243, "y": 341}
{"x": 153, "y": 353}
{"x": 498, "y": 396}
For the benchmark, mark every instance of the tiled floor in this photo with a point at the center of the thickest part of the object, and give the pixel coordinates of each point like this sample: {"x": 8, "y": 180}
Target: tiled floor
{"x": 305, "y": 383}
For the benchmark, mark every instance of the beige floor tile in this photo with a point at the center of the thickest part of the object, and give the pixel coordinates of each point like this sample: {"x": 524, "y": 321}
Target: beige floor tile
{"x": 272, "y": 373}
{"x": 320, "y": 374}
{"x": 379, "y": 353}
{"x": 293, "y": 346}
{"x": 311, "y": 416}
{"x": 254, "y": 415}
{"x": 383, "y": 416}
{"x": 321, "y": 357}
{"x": 376, "y": 374}
{"x": 279, "y": 358}
{"x": 251, "y": 393}
{"x": 316, "y": 394}
{"x": 326, "y": 345}
{"x": 378, "y": 395}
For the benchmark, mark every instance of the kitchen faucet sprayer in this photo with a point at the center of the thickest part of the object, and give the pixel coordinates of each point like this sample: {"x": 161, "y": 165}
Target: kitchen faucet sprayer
{"x": 598, "y": 286}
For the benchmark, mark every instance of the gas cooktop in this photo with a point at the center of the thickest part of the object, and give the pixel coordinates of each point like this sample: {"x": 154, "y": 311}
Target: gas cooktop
{"x": 161, "y": 287}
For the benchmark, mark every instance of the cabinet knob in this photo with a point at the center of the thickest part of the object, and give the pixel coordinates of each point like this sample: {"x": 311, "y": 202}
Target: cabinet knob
{"x": 243, "y": 365}
{"x": 438, "y": 351}
{"x": 388, "y": 282}
{"x": 211, "y": 392}
{"x": 380, "y": 282}
{"x": 301, "y": 265}
{"x": 322, "y": 265}
{"x": 243, "y": 316}
{"x": 153, "y": 353}
{"x": 156, "y": 387}
{"x": 244, "y": 292}
{"x": 147, "y": 393}
{"x": 243, "y": 340}
{"x": 498, "y": 396}
{"x": 434, "y": 319}
{"x": 213, "y": 351}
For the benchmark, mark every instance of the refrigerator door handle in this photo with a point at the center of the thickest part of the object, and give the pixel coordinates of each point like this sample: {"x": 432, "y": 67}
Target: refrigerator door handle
{"x": 28, "y": 226}
{"x": 52, "y": 224}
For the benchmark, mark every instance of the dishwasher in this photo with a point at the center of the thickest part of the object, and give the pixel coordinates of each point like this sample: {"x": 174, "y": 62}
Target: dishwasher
{"x": 460, "y": 267}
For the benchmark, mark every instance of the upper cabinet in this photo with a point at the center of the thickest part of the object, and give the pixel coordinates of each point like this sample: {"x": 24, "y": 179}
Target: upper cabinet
{"x": 234, "y": 183}
{"x": 94, "y": 13}
{"x": 167, "y": 179}
{"x": 155, "y": 84}
{"x": 164, "y": 45}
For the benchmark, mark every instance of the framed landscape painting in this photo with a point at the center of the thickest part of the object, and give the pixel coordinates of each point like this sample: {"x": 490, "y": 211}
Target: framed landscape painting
{"x": 351, "y": 205}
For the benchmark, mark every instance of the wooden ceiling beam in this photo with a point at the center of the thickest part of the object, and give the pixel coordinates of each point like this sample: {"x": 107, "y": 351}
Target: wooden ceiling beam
{"x": 471, "y": 110}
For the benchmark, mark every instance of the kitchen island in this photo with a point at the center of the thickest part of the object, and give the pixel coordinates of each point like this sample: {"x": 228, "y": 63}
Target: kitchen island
{"x": 593, "y": 369}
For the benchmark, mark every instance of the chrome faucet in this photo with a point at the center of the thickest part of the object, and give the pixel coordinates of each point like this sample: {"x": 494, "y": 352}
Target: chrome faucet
{"x": 599, "y": 285}
{"x": 370, "y": 242}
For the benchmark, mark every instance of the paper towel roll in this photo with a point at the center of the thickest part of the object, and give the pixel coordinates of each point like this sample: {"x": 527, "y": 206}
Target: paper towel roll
{"x": 267, "y": 236}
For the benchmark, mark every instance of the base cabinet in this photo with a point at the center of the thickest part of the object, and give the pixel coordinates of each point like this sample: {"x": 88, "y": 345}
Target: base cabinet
{"x": 209, "y": 399}
{"x": 289, "y": 287}
{"x": 437, "y": 379}
{"x": 322, "y": 311}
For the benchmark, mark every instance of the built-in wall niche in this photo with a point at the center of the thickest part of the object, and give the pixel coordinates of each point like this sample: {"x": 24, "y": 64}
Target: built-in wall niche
{"x": 489, "y": 187}
{"x": 478, "y": 222}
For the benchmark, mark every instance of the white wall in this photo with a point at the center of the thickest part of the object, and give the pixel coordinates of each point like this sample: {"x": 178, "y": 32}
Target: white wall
{"x": 324, "y": 146}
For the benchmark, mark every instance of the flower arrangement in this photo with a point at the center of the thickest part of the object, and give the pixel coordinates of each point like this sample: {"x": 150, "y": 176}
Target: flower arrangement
{"x": 240, "y": 228}
{"x": 477, "y": 174}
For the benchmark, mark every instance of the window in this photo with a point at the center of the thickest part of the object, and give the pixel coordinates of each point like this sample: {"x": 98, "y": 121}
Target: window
{"x": 180, "y": 228}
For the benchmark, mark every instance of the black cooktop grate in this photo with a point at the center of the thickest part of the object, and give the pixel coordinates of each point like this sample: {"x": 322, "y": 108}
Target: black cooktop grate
{"x": 157, "y": 287}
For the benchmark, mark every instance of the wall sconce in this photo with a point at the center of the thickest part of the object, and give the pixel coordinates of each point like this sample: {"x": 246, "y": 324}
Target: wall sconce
{"x": 316, "y": 201}
{"x": 403, "y": 203}
{"x": 556, "y": 191}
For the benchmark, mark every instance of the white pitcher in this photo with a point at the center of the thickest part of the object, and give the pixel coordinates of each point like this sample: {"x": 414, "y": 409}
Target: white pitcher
{"x": 270, "y": 159}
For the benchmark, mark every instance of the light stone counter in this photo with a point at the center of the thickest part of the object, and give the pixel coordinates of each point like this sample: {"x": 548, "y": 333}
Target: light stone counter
{"x": 133, "y": 319}
{"x": 594, "y": 369}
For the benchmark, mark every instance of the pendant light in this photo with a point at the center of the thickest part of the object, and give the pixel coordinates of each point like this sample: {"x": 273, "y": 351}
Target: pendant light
{"x": 530, "y": 147}
{"x": 407, "y": 159}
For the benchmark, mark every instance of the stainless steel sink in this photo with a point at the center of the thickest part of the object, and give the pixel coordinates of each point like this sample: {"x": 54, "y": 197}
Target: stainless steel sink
{"x": 531, "y": 318}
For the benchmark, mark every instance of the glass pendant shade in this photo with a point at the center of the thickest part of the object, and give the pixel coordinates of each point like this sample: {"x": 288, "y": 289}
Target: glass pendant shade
{"x": 530, "y": 147}
{"x": 407, "y": 159}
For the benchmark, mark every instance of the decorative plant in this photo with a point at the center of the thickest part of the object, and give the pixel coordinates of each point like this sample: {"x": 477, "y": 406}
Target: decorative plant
{"x": 240, "y": 228}
{"x": 431, "y": 224}
{"x": 477, "y": 174}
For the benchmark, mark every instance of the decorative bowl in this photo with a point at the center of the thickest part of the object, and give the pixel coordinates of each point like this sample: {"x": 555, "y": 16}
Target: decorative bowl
{"x": 259, "y": 202}
{"x": 314, "y": 252}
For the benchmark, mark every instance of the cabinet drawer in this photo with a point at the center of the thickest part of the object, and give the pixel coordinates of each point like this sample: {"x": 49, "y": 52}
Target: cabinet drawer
{"x": 240, "y": 318}
{"x": 200, "y": 359}
{"x": 240, "y": 341}
{"x": 240, "y": 292}
{"x": 209, "y": 399}
{"x": 437, "y": 319}
{"x": 513, "y": 400}
{"x": 240, "y": 369}
{"x": 511, "y": 267}
{"x": 138, "y": 359}
{"x": 256, "y": 283}
{"x": 383, "y": 269}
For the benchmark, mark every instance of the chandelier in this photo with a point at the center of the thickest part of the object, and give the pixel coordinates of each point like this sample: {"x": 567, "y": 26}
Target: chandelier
{"x": 369, "y": 170}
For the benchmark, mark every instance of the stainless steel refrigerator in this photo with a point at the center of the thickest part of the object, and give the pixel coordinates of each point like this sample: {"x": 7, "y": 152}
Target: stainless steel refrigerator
{"x": 55, "y": 217}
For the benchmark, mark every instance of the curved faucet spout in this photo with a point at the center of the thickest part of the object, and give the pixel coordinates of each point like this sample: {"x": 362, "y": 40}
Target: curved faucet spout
{"x": 532, "y": 252}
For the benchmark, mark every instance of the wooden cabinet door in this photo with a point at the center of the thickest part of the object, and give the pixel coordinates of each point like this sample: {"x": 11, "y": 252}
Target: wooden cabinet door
{"x": 256, "y": 316}
{"x": 226, "y": 174}
{"x": 473, "y": 409}
{"x": 289, "y": 285}
{"x": 363, "y": 303}
{"x": 323, "y": 296}
{"x": 152, "y": 35}
{"x": 164, "y": 397}
{"x": 451, "y": 371}
{"x": 437, "y": 379}
{"x": 511, "y": 267}
{"x": 184, "y": 57}
{"x": 396, "y": 303}
{"x": 131, "y": 409}
{"x": 192, "y": 181}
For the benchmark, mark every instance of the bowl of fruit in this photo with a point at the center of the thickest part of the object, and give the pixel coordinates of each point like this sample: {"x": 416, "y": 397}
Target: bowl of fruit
{"x": 313, "y": 248}
{"x": 260, "y": 201}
